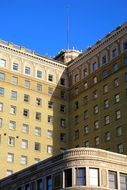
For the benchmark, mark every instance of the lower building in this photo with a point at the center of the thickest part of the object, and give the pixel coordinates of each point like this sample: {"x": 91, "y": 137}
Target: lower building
{"x": 78, "y": 168}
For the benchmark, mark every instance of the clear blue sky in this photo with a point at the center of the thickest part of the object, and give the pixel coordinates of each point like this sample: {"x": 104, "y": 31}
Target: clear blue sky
{"x": 41, "y": 25}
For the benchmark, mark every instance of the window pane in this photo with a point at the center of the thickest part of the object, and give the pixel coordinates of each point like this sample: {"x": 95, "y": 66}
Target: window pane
{"x": 94, "y": 177}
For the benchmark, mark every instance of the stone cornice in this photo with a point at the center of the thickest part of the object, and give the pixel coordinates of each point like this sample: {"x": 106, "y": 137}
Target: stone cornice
{"x": 29, "y": 54}
{"x": 99, "y": 46}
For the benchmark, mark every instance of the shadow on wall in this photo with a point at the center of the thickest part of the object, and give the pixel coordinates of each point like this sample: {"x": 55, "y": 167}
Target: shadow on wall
{"x": 59, "y": 105}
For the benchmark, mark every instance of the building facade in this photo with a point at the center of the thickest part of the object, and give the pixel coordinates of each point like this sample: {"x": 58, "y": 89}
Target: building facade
{"x": 79, "y": 168}
{"x": 74, "y": 100}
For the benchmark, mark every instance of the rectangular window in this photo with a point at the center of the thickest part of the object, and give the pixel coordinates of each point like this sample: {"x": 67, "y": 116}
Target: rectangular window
{"x": 39, "y": 184}
{"x": 95, "y": 94}
{"x": 12, "y": 125}
{"x": 1, "y": 91}
{"x": 62, "y": 122}
{"x": 13, "y": 95}
{"x": 39, "y": 87}
{"x": 96, "y": 124}
{"x": 85, "y": 114}
{"x": 68, "y": 178}
{"x": 37, "y": 131}
{"x": 50, "y": 119}
{"x": 112, "y": 179}
{"x": 49, "y": 183}
{"x": 123, "y": 181}
{"x": 125, "y": 45}
{"x": 94, "y": 177}
{"x": 115, "y": 67}
{"x": 63, "y": 137}
{"x": 37, "y": 146}
{"x": 24, "y": 144}
{"x": 38, "y": 101}
{"x": 23, "y": 160}
{"x": 125, "y": 77}
{"x": 105, "y": 88}
{"x": 95, "y": 109}
{"x": 62, "y": 108}
{"x": 10, "y": 157}
{"x": 107, "y": 136}
{"x": 114, "y": 53}
{"x": 2, "y": 63}
{"x": 106, "y": 120}
{"x": 120, "y": 148}
{"x": 50, "y": 134}
{"x": 80, "y": 176}
{"x": 76, "y": 134}
{"x": 2, "y": 76}
{"x": 38, "y": 116}
{"x": 119, "y": 131}
{"x": 49, "y": 149}
{"x": 26, "y": 112}
{"x": 13, "y": 110}
{"x": 104, "y": 73}
{"x": 39, "y": 74}
{"x": 27, "y": 70}
{"x": 27, "y": 84}
{"x": 106, "y": 104}
{"x": 26, "y": 98}
{"x": 85, "y": 100}
{"x": 85, "y": 72}
{"x": 97, "y": 141}
{"x": 14, "y": 80}
{"x": 117, "y": 98}
{"x": 76, "y": 119}
{"x": 104, "y": 60}
{"x": 50, "y": 90}
{"x": 50, "y": 104}
{"x": 1, "y": 107}
{"x": 85, "y": 86}
{"x": 94, "y": 80}
{"x": 62, "y": 81}
{"x": 86, "y": 130}
{"x": 25, "y": 128}
{"x": 116, "y": 82}
{"x": 94, "y": 66}
{"x": 1, "y": 122}
{"x": 50, "y": 78}
{"x": 118, "y": 114}
{"x": 86, "y": 144}
{"x": 125, "y": 60}
{"x": 15, "y": 66}
{"x": 11, "y": 141}
{"x": 62, "y": 95}
{"x": 57, "y": 181}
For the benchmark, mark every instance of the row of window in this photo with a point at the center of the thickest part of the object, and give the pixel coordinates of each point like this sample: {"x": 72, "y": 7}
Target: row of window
{"x": 96, "y": 108}
{"x": 13, "y": 109}
{"x": 95, "y": 66}
{"x": 24, "y": 144}
{"x": 13, "y": 95}
{"x": 25, "y": 127}
{"x": 120, "y": 146}
{"x": 119, "y": 130}
{"x": 106, "y": 118}
{"x": 27, "y": 71}
{"x": 93, "y": 179}
{"x": 105, "y": 88}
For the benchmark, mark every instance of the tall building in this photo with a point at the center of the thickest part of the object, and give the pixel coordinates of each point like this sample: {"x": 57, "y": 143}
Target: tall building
{"x": 74, "y": 100}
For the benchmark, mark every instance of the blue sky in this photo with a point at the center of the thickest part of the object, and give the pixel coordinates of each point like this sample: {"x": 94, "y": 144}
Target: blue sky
{"x": 41, "y": 25}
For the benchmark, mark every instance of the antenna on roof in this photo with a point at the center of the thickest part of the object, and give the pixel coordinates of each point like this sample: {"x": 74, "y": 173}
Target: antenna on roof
{"x": 68, "y": 26}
